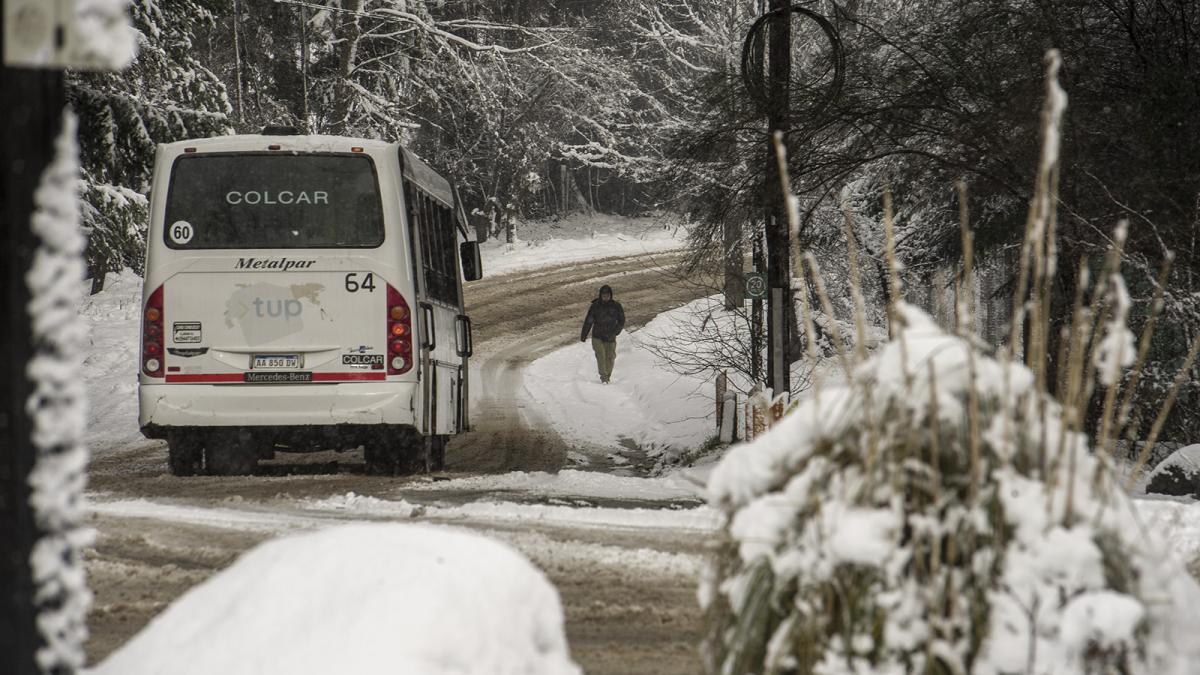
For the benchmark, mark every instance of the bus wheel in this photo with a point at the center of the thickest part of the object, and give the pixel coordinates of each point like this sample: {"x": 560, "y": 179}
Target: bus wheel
{"x": 394, "y": 453}
{"x": 437, "y": 455}
{"x": 430, "y": 455}
{"x": 185, "y": 455}
{"x": 230, "y": 453}
{"x": 382, "y": 459}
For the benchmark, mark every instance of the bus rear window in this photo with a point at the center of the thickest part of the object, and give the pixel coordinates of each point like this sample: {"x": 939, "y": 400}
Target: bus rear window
{"x": 256, "y": 200}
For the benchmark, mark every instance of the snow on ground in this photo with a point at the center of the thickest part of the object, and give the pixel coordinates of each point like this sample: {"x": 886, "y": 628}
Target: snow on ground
{"x": 574, "y": 484}
{"x": 363, "y": 598}
{"x": 1175, "y": 521}
{"x": 316, "y": 513}
{"x": 647, "y": 408}
{"x": 578, "y": 238}
{"x": 509, "y": 522}
{"x": 110, "y": 369}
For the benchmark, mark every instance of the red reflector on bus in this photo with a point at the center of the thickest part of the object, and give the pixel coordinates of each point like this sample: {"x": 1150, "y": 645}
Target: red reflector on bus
{"x": 273, "y": 147}
{"x": 356, "y": 149}
{"x": 189, "y": 149}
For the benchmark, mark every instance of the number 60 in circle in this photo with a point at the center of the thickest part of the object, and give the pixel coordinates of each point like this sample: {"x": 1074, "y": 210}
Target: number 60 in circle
{"x": 181, "y": 232}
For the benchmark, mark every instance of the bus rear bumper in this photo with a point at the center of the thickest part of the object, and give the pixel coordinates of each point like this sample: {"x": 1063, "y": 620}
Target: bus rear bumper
{"x": 162, "y": 406}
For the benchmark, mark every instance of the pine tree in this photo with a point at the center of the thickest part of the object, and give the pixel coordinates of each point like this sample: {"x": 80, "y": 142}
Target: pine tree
{"x": 166, "y": 95}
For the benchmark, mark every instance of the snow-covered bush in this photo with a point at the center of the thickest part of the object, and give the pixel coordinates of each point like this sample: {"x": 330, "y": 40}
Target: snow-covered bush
{"x": 938, "y": 513}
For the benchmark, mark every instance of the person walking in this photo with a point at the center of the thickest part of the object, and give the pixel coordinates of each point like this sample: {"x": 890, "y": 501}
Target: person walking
{"x": 605, "y": 319}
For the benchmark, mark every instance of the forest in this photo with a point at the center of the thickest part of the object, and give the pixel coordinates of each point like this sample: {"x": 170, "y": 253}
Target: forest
{"x": 542, "y": 107}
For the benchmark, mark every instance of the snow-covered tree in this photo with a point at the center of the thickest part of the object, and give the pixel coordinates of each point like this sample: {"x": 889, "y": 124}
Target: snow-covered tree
{"x": 166, "y": 95}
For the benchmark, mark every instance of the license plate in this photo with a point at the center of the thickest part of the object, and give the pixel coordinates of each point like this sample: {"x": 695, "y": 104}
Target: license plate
{"x": 276, "y": 362}
{"x": 278, "y": 377}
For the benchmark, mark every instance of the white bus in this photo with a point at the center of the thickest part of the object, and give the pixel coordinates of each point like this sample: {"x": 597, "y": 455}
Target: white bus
{"x": 303, "y": 293}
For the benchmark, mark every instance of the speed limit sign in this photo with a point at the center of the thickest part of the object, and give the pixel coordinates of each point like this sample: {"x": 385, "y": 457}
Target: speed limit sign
{"x": 756, "y": 285}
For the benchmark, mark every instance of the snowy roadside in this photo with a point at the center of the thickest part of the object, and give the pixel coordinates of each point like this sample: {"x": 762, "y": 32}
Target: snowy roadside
{"x": 649, "y": 409}
{"x": 578, "y": 238}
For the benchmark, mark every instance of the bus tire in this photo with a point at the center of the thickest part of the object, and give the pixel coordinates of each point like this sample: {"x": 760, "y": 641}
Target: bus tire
{"x": 437, "y": 453}
{"x": 230, "y": 453}
{"x": 381, "y": 459}
{"x": 185, "y": 455}
{"x": 393, "y": 453}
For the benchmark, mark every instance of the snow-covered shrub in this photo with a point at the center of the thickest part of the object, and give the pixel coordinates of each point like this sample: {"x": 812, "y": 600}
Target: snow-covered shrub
{"x": 938, "y": 513}
{"x": 1178, "y": 474}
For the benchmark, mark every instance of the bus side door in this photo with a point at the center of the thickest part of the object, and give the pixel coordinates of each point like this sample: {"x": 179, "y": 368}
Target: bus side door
{"x": 439, "y": 308}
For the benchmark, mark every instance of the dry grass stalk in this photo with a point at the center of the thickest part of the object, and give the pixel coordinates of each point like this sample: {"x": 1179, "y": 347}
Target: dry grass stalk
{"x": 1102, "y": 307}
{"x": 935, "y": 462}
{"x": 895, "y": 290}
{"x": 965, "y": 320}
{"x": 810, "y": 333}
{"x": 1076, "y": 367}
{"x": 860, "y": 305}
{"x": 818, "y": 281}
{"x": 1106, "y": 440}
{"x": 966, "y": 301}
{"x": 793, "y": 210}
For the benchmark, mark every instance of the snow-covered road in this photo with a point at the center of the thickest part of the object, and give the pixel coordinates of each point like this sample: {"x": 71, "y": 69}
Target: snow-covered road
{"x": 624, "y": 550}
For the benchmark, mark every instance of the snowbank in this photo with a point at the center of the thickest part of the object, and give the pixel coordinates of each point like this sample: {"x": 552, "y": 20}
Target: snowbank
{"x": 647, "y": 409}
{"x": 661, "y": 399}
{"x": 576, "y": 485}
{"x": 110, "y": 369}
{"x": 381, "y": 598}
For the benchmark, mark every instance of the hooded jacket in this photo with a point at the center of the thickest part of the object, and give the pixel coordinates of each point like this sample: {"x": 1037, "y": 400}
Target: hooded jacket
{"x": 605, "y": 320}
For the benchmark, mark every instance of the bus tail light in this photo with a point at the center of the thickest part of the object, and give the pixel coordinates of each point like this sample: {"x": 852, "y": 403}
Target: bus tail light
{"x": 152, "y": 335}
{"x": 399, "y": 333}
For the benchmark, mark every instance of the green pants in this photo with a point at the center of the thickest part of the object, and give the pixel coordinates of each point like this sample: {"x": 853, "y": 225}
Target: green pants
{"x": 606, "y": 356}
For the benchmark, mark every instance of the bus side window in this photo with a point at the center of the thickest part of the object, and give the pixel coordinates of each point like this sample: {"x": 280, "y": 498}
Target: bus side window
{"x": 435, "y": 285}
{"x": 435, "y": 250}
{"x": 414, "y": 229}
{"x": 447, "y": 238}
{"x": 433, "y": 230}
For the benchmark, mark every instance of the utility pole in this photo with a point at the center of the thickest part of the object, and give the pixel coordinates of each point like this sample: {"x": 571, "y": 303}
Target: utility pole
{"x": 38, "y": 39}
{"x": 779, "y": 276}
{"x": 767, "y": 74}
{"x": 759, "y": 262}
{"x": 31, "y": 104}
